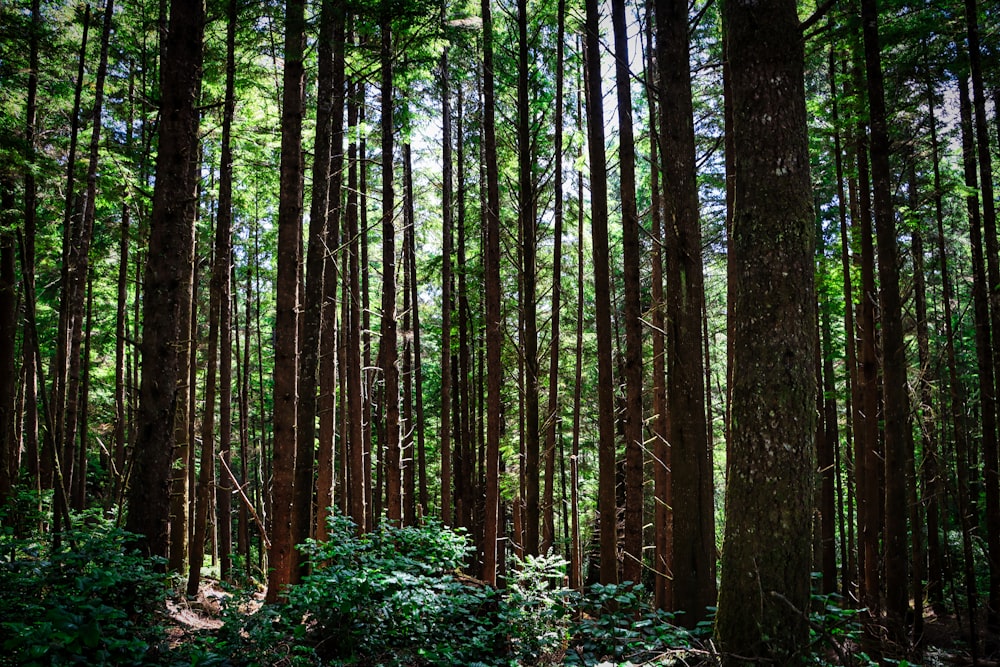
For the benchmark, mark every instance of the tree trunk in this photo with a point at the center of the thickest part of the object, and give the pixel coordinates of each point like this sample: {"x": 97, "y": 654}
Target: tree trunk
{"x": 991, "y": 474}
{"x": 283, "y": 559}
{"x": 632, "y": 362}
{"x": 895, "y": 396}
{"x": 9, "y": 446}
{"x": 171, "y": 247}
{"x": 494, "y": 333}
{"x": 360, "y": 475}
{"x": 606, "y": 505}
{"x": 388, "y": 352}
{"x": 552, "y": 416}
{"x": 764, "y": 591}
{"x": 691, "y": 475}
{"x": 447, "y": 216}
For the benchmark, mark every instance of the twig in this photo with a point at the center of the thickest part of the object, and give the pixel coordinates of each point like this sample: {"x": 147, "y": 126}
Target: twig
{"x": 253, "y": 512}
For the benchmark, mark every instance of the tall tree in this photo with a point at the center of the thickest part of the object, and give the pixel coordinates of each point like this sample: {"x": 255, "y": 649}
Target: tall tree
{"x": 283, "y": 557}
{"x": 691, "y": 476}
{"x": 529, "y": 342}
{"x": 606, "y": 502}
{"x": 766, "y": 558}
{"x": 632, "y": 362}
{"x": 494, "y": 333}
{"x": 388, "y": 352}
{"x": 895, "y": 394}
{"x": 170, "y": 257}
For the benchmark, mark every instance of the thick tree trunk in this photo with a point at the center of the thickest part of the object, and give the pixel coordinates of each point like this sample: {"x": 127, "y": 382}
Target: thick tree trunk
{"x": 691, "y": 475}
{"x": 171, "y": 247}
{"x": 991, "y": 466}
{"x": 764, "y": 591}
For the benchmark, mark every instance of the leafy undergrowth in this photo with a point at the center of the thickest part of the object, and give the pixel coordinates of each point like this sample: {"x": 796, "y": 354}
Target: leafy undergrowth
{"x": 393, "y": 597}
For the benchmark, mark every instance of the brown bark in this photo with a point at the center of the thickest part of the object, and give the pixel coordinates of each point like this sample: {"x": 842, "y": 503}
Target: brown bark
{"x": 529, "y": 341}
{"x": 494, "y": 333}
{"x": 606, "y": 505}
{"x": 283, "y": 559}
{"x": 387, "y": 349}
{"x": 171, "y": 246}
{"x": 991, "y": 466}
{"x": 552, "y": 416}
{"x": 896, "y": 422}
{"x": 767, "y": 551}
{"x": 632, "y": 361}
{"x": 691, "y": 476}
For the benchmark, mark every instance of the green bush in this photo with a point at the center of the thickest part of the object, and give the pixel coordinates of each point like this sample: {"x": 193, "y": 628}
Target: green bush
{"x": 89, "y": 601}
{"x": 395, "y": 597}
{"x": 616, "y": 623}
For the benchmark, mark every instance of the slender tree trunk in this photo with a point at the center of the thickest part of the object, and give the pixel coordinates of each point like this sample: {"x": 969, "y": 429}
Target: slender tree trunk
{"x": 895, "y": 395}
{"x": 388, "y": 352}
{"x": 407, "y": 428}
{"x": 659, "y": 425}
{"x": 283, "y": 559}
{"x": 79, "y": 269}
{"x": 171, "y": 247}
{"x": 552, "y": 416}
{"x": 980, "y": 300}
{"x": 991, "y": 474}
{"x": 69, "y": 280}
{"x": 926, "y": 425}
{"x": 447, "y": 216}
{"x": 360, "y": 475}
{"x": 29, "y": 428}
{"x": 933, "y": 488}
{"x": 493, "y": 324}
{"x": 8, "y": 335}
{"x": 606, "y": 505}
{"x": 529, "y": 341}
{"x": 764, "y": 591}
{"x": 632, "y": 363}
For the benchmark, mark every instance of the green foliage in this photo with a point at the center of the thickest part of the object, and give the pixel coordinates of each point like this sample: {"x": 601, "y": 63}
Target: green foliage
{"x": 88, "y": 601}
{"x": 617, "y": 623}
{"x": 395, "y": 597}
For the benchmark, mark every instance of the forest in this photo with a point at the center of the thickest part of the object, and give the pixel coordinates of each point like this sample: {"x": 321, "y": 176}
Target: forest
{"x": 518, "y": 332}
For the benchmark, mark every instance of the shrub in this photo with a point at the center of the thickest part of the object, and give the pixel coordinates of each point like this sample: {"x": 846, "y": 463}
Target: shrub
{"x": 89, "y": 601}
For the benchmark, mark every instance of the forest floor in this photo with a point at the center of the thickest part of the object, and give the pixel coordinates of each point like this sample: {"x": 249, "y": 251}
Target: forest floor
{"x": 945, "y": 639}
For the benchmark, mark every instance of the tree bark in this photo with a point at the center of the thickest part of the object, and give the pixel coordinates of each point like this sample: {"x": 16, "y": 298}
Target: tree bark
{"x": 171, "y": 247}
{"x": 283, "y": 559}
{"x": 691, "y": 475}
{"x": 606, "y": 503}
{"x": 764, "y": 591}
{"x": 388, "y": 351}
{"x": 632, "y": 362}
{"x": 493, "y": 323}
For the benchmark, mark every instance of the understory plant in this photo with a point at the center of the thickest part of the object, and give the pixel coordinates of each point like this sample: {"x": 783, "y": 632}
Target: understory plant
{"x": 83, "y": 598}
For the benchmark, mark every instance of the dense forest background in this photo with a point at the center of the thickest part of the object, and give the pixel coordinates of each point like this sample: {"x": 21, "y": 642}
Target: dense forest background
{"x": 700, "y": 296}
